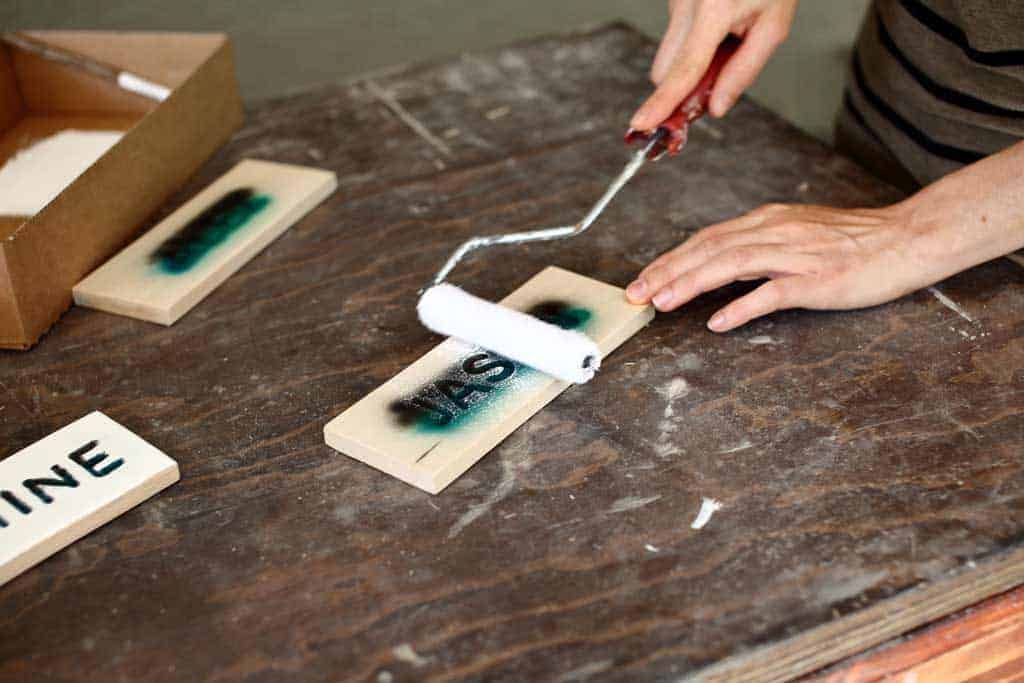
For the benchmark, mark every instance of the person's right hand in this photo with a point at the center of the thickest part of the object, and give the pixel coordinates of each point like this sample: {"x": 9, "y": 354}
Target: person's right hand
{"x": 695, "y": 29}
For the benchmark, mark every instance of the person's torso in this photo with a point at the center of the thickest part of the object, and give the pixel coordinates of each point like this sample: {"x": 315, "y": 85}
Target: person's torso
{"x": 940, "y": 82}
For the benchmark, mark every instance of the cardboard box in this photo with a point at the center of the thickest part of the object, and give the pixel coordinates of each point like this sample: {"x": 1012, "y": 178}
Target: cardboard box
{"x": 43, "y": 256}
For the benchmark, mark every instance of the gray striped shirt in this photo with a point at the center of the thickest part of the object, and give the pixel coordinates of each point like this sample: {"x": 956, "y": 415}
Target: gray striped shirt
{"x": 934, "y": 85}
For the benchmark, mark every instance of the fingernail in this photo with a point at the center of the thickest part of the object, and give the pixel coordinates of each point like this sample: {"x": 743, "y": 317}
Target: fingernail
{"x": 639, "y": 121}
{"x": 636, "y": 290}
{"x": 662, "y": 299}
{"x": 717, "y": 322}
{"x": 719, "y": 107}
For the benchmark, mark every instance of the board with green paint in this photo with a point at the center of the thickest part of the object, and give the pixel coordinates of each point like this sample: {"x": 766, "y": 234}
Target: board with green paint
{"x": 435, "y": 419}
{"x": 212, "y": 228}
{"x": 171, "y": 268}
{"x": 471, "y": 387}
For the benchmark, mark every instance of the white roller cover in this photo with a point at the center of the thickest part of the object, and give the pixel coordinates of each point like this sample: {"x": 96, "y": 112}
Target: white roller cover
{"x": 566, "y": 354}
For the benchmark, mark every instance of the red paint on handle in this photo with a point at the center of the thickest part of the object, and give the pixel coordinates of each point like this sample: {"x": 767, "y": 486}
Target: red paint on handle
{"x": 691, "y": 108}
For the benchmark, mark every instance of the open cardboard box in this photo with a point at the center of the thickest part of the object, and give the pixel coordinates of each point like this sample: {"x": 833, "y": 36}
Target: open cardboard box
{"x": 43, "y": 256}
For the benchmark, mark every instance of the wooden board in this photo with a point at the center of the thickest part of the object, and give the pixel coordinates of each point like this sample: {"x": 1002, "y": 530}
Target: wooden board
{"x": 62, "y": 487}
{"x": 985, "y": 640}
{"x": 435, "y": 419}
{"x": 174, "y": 266}
{"x": 869, "y": 462}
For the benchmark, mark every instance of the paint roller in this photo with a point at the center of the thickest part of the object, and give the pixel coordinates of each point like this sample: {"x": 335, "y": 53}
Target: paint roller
{"x": 568, "y": 355}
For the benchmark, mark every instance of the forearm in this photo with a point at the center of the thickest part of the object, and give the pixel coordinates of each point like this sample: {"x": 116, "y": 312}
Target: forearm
{"x": 971, "y": 216}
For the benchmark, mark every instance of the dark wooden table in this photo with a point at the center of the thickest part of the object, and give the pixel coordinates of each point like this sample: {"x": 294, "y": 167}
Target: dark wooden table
{"x": 870, "y": 462}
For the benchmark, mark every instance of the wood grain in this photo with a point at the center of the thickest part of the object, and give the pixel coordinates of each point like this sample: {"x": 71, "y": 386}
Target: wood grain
{"x": 431, "y": 422}
{"x": 985, "y": 639}
{"x": 869, "y": 462}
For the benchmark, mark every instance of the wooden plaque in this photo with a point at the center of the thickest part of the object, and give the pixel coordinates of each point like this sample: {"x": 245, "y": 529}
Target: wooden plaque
{"x": 432, "y": 421}
{"x": 171, "y": 268}
{"x": 71, "y": 482}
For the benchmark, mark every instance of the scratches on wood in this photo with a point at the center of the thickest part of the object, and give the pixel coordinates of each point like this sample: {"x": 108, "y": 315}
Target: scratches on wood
{"x": 389, "y": 101}
{"x": 428, "y": 452}
{"x": 950, "y": 304}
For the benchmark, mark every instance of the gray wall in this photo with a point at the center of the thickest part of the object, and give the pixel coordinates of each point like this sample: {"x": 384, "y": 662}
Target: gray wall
{"x": 285, "y": 45}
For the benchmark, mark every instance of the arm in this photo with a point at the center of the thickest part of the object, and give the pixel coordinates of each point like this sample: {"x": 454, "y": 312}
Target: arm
{"x": 696, "y": 28}
{"x": 824, "y": 258}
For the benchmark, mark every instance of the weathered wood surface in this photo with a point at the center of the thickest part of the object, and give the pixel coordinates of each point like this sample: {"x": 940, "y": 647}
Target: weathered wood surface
{"x": 858, "y": 455}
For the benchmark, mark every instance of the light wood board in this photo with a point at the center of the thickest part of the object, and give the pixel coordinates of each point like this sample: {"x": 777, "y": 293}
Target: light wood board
{"x": 986, "y": 640}
{"x": 71, "y": 482}
{"x": 138, "y": 283}
{"x": 432, "y": 421}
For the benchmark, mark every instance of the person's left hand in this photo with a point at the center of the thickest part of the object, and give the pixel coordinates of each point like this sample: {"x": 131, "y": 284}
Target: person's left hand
{"x": 824, "y": 258}
{"x": 813, "y": 257}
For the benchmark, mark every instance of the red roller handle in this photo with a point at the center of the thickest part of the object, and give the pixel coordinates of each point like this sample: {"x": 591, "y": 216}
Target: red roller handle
{"x": 692, "y": 107}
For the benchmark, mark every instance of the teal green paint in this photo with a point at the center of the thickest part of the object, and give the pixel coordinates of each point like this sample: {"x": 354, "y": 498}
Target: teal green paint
{"x": 447, "y": 417}
{"x": 574, "y": 318}
{"x": 429, "y": 425}
{"x": 207, "y": 231}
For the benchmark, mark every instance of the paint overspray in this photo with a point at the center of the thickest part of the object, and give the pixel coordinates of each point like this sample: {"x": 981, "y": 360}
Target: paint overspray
{"x": 214, "y": 226}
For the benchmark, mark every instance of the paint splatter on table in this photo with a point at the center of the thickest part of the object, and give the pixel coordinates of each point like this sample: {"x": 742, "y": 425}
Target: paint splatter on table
{"x": 868, "y": 463}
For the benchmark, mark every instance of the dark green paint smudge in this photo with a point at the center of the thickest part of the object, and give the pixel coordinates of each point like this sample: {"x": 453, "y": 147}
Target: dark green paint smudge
{"x": 207, "y": 231}
{"x": 466, "y": 390}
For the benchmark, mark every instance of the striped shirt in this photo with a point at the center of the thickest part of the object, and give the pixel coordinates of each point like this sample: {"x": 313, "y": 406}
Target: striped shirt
{"x": 934, "y": 85}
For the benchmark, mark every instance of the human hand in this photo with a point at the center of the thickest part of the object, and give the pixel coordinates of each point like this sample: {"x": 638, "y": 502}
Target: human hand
{"x": 813, "y": 256}
{"x": 822, "y": 258}
{"x": 696, "y": 28}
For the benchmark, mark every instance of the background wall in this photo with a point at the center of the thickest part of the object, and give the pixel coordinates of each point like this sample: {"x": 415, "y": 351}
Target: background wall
{"x": 290, "y": 44}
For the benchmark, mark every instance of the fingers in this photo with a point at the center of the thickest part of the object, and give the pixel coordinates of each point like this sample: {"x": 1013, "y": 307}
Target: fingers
{"x": 688, "y": 67}
{"x": 702, "y": 246}
{"x": 692, "y": 255}
{"x": 746, "y": 262}
{"x": 679, "y": 24}
{"x": 772, "y": 296}
{"x": 760, "y": 42}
